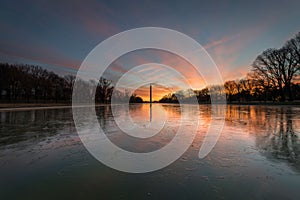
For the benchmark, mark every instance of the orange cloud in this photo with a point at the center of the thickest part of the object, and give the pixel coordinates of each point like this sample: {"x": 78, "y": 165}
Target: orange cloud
{"x": 226, "y": 51}
{"x": 133, "y": 59}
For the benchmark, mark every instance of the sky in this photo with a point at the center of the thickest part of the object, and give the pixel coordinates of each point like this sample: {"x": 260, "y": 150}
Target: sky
{"x": 58, "y": 35}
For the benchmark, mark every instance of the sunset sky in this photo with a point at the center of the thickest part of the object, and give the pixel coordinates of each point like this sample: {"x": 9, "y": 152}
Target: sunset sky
{"x": 58, "y": 35}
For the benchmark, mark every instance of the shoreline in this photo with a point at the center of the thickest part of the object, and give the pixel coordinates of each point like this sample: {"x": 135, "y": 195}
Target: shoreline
{"x": 40, "y": 106}
{"x": 28, "y": 105}
{"x": 293, "y": 103}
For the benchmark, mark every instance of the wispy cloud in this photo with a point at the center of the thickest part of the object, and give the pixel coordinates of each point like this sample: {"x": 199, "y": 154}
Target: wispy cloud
{"x": 93, "y": 16}
{"x": 227, "y": 50}
{"x": 40, "y": 54}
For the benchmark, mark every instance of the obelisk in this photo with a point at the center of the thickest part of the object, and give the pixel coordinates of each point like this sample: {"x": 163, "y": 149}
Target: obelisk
{"x": 150, "y": 94}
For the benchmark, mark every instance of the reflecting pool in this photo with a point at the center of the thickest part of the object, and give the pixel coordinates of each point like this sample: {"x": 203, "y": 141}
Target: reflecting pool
{"x": 257, "y": 156}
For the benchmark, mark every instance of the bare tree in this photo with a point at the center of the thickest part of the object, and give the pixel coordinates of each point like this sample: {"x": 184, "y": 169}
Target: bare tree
{"x": 293, "y": 58}
{"x": 104, "y": 90}
{"x": 231, "y": 89}
{"x": 279, "y": 67}
{"x": 69, "y": 82}
{"x": 245, "y": 87}
{"x": 294, "y": 47}
{"x": 261, "y": 87}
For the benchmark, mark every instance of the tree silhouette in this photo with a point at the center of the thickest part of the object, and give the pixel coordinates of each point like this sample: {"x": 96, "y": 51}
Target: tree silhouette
{"x": 135, "y": 99}
{"x": 33, "y": 84}
{"x": 280, "y": 66}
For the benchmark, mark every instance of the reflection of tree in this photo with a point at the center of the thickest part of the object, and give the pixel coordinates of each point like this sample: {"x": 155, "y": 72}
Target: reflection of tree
{"x": 275, "y": 130}
{"x": 283, "y": 144}
{"x": 31, "y": 125}
{"x": 172, "y": 110}
{"x": 104, "y": 114}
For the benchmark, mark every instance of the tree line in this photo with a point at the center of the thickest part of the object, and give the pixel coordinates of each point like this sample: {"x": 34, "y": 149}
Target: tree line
{"x": 33, "y": 84}
{"x": 28, "y": 83}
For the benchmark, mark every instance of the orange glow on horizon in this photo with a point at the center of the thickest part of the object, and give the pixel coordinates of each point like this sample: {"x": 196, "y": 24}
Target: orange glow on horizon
{"x": 157, "y": 92}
